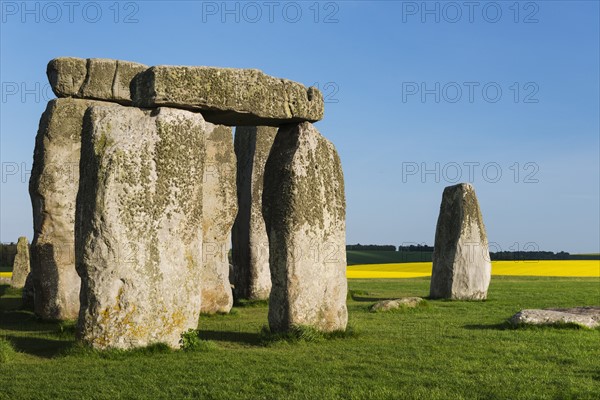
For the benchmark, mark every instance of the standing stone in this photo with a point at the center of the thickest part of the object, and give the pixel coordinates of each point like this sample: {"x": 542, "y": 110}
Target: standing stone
{"x": 219, "y": 210}
{"x": 53, "y": 190}
{"x": 305, "y": 214}
{"x": 138, "y": 239}
{"x": 21, "y": 264}
{"x": 93, "y": 78}
{"x": 251, "y": 275}
{"x": 228, "y": 96}
{"x": 461, "y": 258}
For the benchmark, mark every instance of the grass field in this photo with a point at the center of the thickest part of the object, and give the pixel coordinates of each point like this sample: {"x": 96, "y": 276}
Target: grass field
{"x": 447, "y": 350}
{"x": 574, "y": 268}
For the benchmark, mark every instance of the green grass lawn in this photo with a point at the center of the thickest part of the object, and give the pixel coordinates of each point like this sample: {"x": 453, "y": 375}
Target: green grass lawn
{"x": 447, "y": 350}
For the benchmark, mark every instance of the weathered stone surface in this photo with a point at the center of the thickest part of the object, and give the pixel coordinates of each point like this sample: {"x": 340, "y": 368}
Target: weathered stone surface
{"x": 388, "y": 305}
{"x": 304, "y": 209}
{"x": 229, "y": 96}
{"x": 588, "y": 317}
{"x": 138, "y": 240}
{"x": 53, "y": 190}
{"x": 67, "y": 75}
{"x": 251, "y": 275}
{"x": 461, "y": 259}
{"x": 93, "y": 78}
{"x": 21, "y": 264}
{"x": 219, "y": 211}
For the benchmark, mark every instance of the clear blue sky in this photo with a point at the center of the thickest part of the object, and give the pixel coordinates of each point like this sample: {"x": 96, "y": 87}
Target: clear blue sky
{"x": 372, "y": 59}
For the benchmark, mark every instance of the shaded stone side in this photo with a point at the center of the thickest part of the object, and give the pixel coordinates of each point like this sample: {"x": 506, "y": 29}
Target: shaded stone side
{"x": 305, "y": 212}
{"x": 250, "y": 244}
{"x": 229, "y": 96}
{"x": 53, "y": 189}
{"x": 138, "y": 240}
{"x": 93, "y": 78}
{"x": 21, "y": 264}
{"x": 461, "y": 258}
{"x": 28, "y": 295}
{"x": 219, "y": 211}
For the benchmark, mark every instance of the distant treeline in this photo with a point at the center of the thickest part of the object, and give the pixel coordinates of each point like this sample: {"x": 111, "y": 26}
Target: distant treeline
{"x": 416, "y": 247}
{"x": 371, "y": 247}
{"x": 7, "y": 254}
{"x": 538, "y": 255}
{"x": 389, "y": 247}
{"x": 413, "y": 250}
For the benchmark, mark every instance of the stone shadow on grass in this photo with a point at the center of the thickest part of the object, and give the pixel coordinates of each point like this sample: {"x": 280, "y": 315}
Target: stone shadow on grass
{"x": 362, "y": 296}
{"x": 247, "y": 338}
{"x": 3, "y": 289}
{"x": 361, "y": 299}
{"x": 40, "y": 347}
{"x": 25, "y": 321}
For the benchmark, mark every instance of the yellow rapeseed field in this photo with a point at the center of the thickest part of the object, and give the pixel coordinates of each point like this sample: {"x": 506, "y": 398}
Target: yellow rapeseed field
{"x": 576, "y": 268}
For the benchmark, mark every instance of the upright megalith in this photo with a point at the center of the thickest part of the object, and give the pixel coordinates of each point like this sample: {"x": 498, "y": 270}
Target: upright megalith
{"x": 228, "y": 96}
{"x": 219, "y": 210}
{"x": 53, "y": 189}
{"x": 461, "y": 258}
{"x": 250, "y": 244}
{"x": 304, "y": 209}
{"x": 93, "y": 78}
{"x": 138, "y": 240}
{"x": 21, "y": 264}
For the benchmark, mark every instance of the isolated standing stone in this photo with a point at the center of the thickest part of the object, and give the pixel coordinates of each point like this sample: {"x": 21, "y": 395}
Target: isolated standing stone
{"x": 219, "y": 210}
{"x": 93, "y": 78}
{"x": 21, "y": 264}
{"x": 229, "y": 96}
{"x": 251, "y": 275}
{"x": 461, "y": 258}
{"x": 305, "y": 215}
{"x": 53, "y": 190}
{"x": 138, "y": 238}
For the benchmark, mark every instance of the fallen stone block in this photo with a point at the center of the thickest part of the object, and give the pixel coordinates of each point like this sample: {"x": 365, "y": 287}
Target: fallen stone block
{"x": 388, "y": 305}
{"x": 588, "y": 317}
